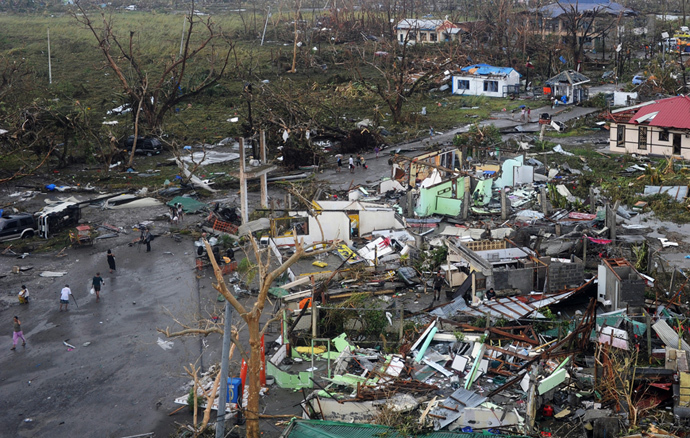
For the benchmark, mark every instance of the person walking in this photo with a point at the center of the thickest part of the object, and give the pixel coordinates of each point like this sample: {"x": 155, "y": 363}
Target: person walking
{"x": 364, "y": 162}
{"x": 96, "y": 282}
{"x": 351, "y": 162}
{"x": 438, "y": 285}
{"x": 522, "y": 115}
{"x": 359, "y": 160}
{"x": 111, "y": 261}
{"x": 146, "y": 238}
{"x": 431, "y": 132}
{"x": 17, "y": 335}
{"x": 180, "y": 212}
{"x": 377, "y": 150}
{"x": 529, "y": 115}
{"x": 340, "y": 164}
{"x": 64, "y": 297}
{"x": 24, "y": 295}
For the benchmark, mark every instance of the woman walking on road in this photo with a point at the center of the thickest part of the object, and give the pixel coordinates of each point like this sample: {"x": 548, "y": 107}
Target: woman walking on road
{"x": 17, "y": 335}
{"x": 111, "y": 261}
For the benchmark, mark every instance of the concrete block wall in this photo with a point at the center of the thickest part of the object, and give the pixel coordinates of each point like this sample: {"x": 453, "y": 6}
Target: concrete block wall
{"x": 521, "y": 279}
{"x": 565, "y": 275}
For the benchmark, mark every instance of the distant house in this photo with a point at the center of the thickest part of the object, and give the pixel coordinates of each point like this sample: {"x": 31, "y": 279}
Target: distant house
{"x": 412, "y": 31}
{"x": 657, "y": 127}
{"x": 554, "y": 18}
{"x": 486, "y": 80}
{"x": 568, "y": 87}
{"x": 620, "y": 285}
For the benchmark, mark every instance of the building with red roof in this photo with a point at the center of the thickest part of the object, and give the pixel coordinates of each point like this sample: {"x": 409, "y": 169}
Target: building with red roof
{"x": 657, "y": 127}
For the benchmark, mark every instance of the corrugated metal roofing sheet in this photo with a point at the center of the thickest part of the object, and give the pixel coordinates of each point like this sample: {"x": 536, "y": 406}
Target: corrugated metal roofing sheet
{"x": 602, "y": 6}
{"x": 331, "y": 429}
{"x": 411, "y": 23}
{"x": 673, "y": 112}
{"x": 668, "y": 335}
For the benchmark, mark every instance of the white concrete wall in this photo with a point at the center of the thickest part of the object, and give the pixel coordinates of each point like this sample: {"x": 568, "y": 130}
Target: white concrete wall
{"x": 655, "y": 146}
{"x": 377, "y": 220}
{"x": 477, "y": 84}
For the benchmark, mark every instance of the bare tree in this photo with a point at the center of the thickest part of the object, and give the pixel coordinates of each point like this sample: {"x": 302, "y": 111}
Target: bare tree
{"x": 154, "y": 98}
{"x": 394, "y": 64}
{"x": 251, "y": 316}
{"x": 583, "y": 24}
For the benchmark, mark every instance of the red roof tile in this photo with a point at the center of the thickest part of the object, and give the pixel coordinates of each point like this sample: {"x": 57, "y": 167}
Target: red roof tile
{"x": 673, "y": 112}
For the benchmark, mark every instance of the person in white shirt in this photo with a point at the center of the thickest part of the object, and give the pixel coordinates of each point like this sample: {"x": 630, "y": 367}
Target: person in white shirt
{"x": 351, "y": 162}
{"x": 24, "y": 295}
{"x": 64, "y": 297}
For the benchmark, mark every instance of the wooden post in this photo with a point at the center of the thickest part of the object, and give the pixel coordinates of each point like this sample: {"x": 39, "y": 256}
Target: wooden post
{"x": 466, "y": 199}
{"x": 264, "y": 177}
{"x": 402, "y": 320}
{"x": 648, "y": 320}
{"x": 531, "y": 412}
{"x": 584, "y": 251}
{"x": 592, "y": 201}
{"x": 544, "y": 207}
{"x": 244, "y": 204}
{"x": 504, "y": 205}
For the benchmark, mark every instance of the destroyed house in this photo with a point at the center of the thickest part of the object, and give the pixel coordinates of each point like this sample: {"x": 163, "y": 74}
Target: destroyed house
{"x": 486, "y": 80}
{"x": 568, "y": 87}
{"x": 658, "y": 127}
{"x": 442, "y": 197}
{"x": 514, "y": 271}
{"x": 620, "y": 285}
{"x": 334, "y": 220}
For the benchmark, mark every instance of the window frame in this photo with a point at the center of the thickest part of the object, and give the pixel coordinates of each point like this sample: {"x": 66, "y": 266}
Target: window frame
{"x": 642, "y": 133}
{"x": 490, "y": 86}
{"x": 463, "y": 84}
{"x": 620, "y": 139}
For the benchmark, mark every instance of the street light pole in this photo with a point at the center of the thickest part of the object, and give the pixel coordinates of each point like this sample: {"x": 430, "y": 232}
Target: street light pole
{"x": 222, "y": 396}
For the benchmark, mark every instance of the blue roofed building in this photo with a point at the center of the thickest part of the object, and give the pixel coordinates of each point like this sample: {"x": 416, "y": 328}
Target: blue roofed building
{"x": 486, "y": 80}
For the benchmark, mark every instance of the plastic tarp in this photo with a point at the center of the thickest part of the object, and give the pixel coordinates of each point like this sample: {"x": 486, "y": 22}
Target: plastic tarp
{"x": 189, "y": 205}
{"x": 204, "y": 158}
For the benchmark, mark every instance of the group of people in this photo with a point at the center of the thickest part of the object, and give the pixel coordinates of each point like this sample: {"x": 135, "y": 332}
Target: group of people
{"x": 358, "y": 161}
{"x": 176, "y": 213}
{"x": 65, "y": 293}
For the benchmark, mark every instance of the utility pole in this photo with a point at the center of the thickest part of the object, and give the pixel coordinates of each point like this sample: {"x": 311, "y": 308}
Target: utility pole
{"x": 184, "y": 23}
{"x": 222, "y": 396}
{"x": 50, "y": 69}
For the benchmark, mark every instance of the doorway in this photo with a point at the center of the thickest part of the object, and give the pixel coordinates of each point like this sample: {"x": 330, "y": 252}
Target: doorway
{"x": 676, "y": 144}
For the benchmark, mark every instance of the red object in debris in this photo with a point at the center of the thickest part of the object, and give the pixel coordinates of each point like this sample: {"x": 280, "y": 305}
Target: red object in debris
{"x": 548, "y": 411}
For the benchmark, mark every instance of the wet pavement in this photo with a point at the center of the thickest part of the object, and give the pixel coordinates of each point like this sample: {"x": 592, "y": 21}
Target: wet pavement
{"x": 122, "y": 382}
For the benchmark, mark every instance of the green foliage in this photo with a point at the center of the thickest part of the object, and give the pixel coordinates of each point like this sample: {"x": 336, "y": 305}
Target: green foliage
{"x": 459, "y": 336}
{"x": 190, "y": 399}
{"x": 247, "y": 270}
{"x": 476, "y": 136}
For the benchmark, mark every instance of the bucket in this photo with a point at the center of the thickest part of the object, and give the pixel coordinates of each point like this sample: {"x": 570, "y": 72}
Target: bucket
{"x": 15, "y": 269}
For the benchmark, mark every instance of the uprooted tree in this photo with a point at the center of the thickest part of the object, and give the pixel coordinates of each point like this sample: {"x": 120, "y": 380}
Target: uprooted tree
{"x": 251, "y": 316}
{"x": 153, "y": 90}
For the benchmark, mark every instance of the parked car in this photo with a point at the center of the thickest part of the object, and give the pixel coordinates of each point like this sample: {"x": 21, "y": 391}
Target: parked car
{"x": 145, "y": 145}
{"x": 638, "y": 80}
{"x": 17, "y": 226}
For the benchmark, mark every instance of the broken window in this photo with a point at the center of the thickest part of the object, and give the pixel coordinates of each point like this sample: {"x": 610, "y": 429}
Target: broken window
{"x": 422, "y": 36}
{"x": 642, "y": 138}
{"x": 620, "y": 135}
{"x": 432, "y": 37}
{"x": 463, "y": 84}
{"x": 663, "y": 135}
{"x": 491, "y": 86}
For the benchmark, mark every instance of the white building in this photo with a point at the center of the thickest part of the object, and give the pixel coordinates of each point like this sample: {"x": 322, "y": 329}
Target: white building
{"x": 486, "y": 80}
{"x": 658, "y": 127}
{"x": 413, "y": 31}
